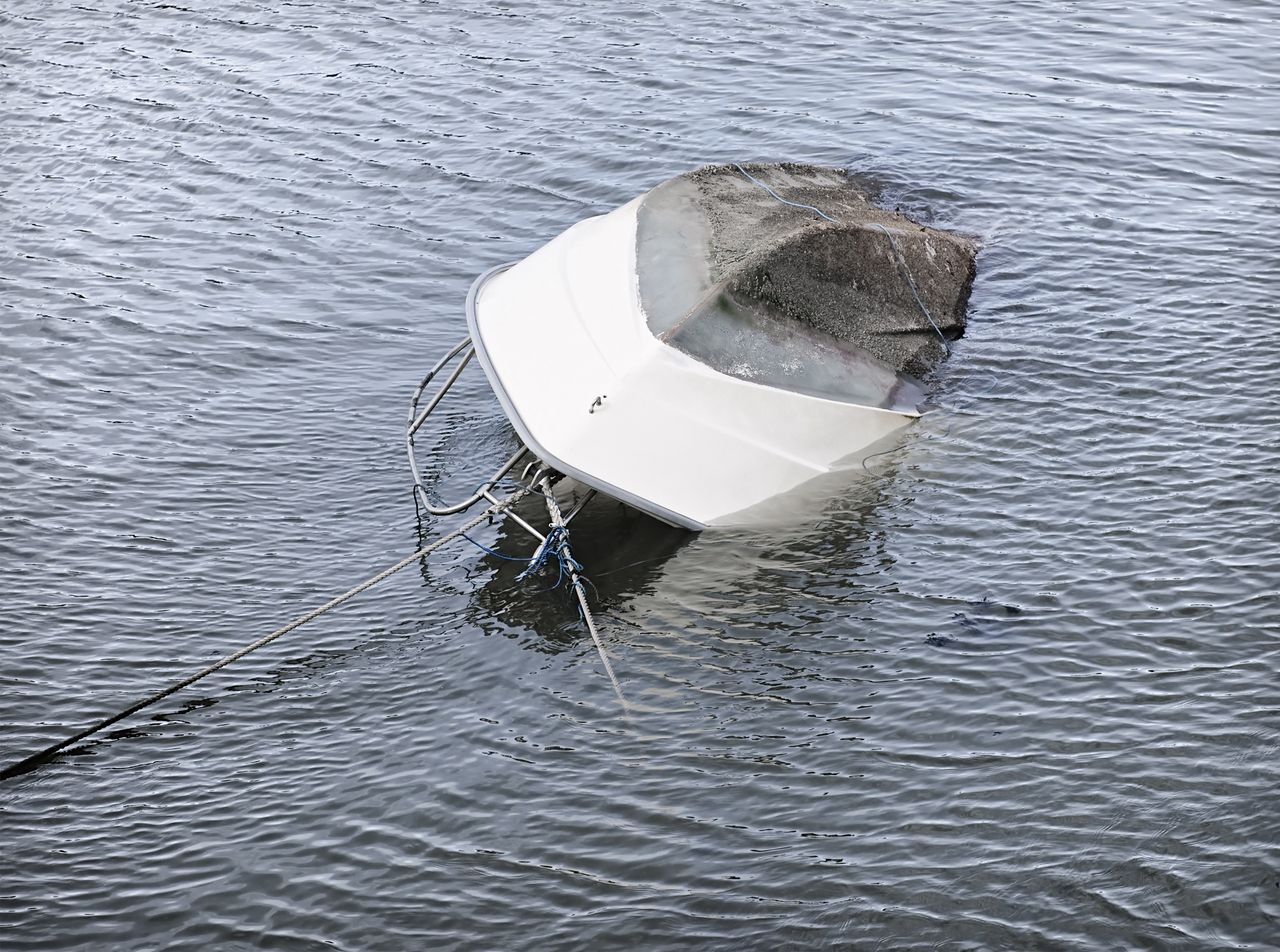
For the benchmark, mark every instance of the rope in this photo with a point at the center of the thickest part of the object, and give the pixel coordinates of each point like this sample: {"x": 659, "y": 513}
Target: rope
{"x": 901, "y": 262}
{"x": 533, "y": 564}
{"x": 560, "y": 534}
{"x": 35, "y": 760}
{"x": 494, "y": 552}
{"x": 817, "y": 211}
{"x": 590, "y": 621}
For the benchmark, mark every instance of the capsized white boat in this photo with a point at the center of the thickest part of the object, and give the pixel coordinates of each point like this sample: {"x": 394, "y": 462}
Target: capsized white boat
{"x": 720, "y": 341}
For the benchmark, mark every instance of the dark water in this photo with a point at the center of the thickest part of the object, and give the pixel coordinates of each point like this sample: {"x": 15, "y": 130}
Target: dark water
{"x": 1018, "y": 691}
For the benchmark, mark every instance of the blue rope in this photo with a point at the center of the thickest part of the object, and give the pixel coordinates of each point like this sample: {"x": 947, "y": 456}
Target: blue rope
{"x": 494, "y": 552}
{"x": 540, "y": 557}
{"x": 898, "y": 259}
{"x": 556, "y": 544}
{"x": 583, "y": 580}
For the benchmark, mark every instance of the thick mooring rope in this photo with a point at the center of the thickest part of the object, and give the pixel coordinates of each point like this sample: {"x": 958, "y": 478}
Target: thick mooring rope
{"x": 35, "y": 760}
{"x": 559, "y": 538}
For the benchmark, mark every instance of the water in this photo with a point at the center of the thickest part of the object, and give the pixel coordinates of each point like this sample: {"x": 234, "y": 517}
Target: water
{"x": 1017, "y": 691}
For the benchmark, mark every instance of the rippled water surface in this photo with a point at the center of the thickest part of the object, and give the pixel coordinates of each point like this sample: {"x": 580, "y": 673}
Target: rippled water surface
{"x": 1018, "y": 690}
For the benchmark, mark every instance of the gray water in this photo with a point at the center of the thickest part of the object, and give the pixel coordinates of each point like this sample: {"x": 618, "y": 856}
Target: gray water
{"x": 1015, "y": 691}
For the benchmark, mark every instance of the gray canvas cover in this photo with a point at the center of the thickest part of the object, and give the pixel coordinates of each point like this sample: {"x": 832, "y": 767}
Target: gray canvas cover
{"x": 768, "y": 291}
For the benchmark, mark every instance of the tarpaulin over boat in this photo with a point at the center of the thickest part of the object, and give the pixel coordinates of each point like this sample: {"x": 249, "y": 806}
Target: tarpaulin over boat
{"x": 789, "y": 276}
